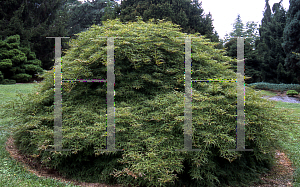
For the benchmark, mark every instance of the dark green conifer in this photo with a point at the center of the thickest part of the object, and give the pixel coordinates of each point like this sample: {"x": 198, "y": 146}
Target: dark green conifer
{"x": 291, "y": 35}
{"x": 17, "y": 64}
{"x": 189, "y": 15}
{"x": 33, "y": 21}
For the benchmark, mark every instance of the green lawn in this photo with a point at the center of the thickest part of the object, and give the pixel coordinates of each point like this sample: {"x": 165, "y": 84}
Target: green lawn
{"x": 13, "y": 174}
{"x": 291, "y": 146}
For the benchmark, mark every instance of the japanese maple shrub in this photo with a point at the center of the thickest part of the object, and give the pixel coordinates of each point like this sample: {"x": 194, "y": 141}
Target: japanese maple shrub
{"x": 149, "y": 112}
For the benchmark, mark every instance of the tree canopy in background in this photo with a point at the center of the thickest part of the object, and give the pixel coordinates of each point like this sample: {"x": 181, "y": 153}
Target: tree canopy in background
{"x": 265, "y": 58}
{"x": 250, "y": 32}
{"x": 291, "y": 35}
{"x": 84, "y": 15}
{"x": 264, "y": 55}
{"x": 269, "y": 50}
{"x": 188, "y": 14}
{"x": 34, "y": 20}
{"x": 17, "y": 63}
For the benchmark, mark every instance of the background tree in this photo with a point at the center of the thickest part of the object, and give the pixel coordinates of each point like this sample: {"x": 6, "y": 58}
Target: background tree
{"x": 284, "y": 75}
{"x": 263, "y": 53}
{"x": 189, "y": 15}
{"x": 83, "y": 15}
{"x": 252, "y": 64}
{"x": 291, "y": 35}
{"x": 267, "y": 16}
{"x": 263, "y": 46}
{"x": 17, "y": 63}
{"x": 34, "y": 20}
{"x": 250, "y": 32}
{"x": 269, "y": 50}
{"x": 210, "y": 32}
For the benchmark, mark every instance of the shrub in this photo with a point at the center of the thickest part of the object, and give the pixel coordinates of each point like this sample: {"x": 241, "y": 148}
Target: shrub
{"x": 292, "y": 92}
{"x": 8, "y": 81}
{"x": 149, "y": 113}
{"x": 17, "y": 63}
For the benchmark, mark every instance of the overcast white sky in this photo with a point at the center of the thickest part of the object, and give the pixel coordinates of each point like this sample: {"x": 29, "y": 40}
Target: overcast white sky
{"x": 224, "y": 12}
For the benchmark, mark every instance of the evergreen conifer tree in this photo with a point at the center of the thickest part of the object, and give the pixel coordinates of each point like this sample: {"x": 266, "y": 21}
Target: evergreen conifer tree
{"x": 269, "y": 51}
{"x": 84, "y": 14}
{"x": 277, "y": 53}
{"x": 263, "y": 50}
{"x": 188, "y": 14}
{"x": 17, "y": 64}
{"x": 34, "y": 20}
{"x": 291, "y": 35}
{"x": 231, "y": 46}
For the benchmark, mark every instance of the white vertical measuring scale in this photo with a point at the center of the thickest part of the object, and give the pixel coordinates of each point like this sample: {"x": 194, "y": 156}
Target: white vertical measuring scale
{"x": 57, "y": 98}
{"x": 240, "y": 129}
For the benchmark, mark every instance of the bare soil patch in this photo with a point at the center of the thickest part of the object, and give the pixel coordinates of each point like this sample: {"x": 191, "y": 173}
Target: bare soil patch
{"x": 280, "y": 175}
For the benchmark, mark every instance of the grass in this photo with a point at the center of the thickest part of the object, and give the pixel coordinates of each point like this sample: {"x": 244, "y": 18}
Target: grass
{"x": 12, "y": 173}
{"x": 291, "y": 145}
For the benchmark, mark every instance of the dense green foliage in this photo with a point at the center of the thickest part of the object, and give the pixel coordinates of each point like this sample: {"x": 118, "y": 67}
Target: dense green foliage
{"x": 35, "y": 20}
{"x": 292, "y": 92}
{"x": 251, "y": 67}
{"x": 188, "y": 14}
{"x": 291, "y": 35}
{"x": 269, "y": 50}
{"x": 149, "y": 113}
{"x": 82, "y": 15}
{"x": 17, "y": 63}
{"x": 271, "y": 86}
{"x": 264, "y": 55}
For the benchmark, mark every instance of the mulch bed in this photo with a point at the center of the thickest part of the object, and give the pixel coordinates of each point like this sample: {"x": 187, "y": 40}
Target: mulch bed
{"x": 280, "y": 175}
{"x": 31, "y": 165}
